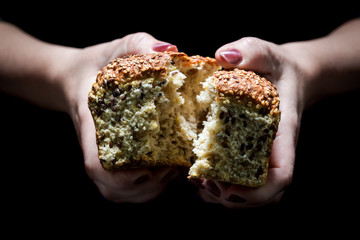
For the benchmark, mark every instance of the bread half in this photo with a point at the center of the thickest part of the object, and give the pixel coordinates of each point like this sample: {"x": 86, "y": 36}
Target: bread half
{"x": 239, "y": 130}
{"x": 170, "y": 109}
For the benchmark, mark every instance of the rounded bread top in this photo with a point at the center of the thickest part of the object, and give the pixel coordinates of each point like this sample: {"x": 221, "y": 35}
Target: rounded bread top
{"x": 250, "y": 88}
{"x": 135, "y": 67}
{"x": 245, "y": 86}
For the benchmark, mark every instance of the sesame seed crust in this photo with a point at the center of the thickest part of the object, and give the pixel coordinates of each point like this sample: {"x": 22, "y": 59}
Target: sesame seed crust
{"x": 136, "y": 67}
{"x": 250, "y": 88}
{"x": 245, "y": 86}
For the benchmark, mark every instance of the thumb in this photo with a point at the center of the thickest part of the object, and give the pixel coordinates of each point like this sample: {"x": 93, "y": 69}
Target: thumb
{"x": 137, "y": 43}
{"x": 249, "y": 53}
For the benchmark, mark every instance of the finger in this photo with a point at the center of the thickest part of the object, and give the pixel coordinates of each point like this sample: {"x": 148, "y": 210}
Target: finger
{"x": 210, "y": 191}
{"x": 207, "y": 189}
{"x": 249, "y": 53}
{"x": 139, "y": 188}
{"x": 134, "y": 185}
{"x": 138, "y": 43}
{"x": 121, "y": 180}
{"x": 236, "y": 201}
{"x": 143, "y": 43}
{"x": 137, "y": 195}
{"x": 238, "y": 196}
{"x": 217, "y": 192}
{"x": 167, "y": 174}
{"x": 212, "y": 187}
{"x": 163, "y": 47}
{"x": 207, "y": 196}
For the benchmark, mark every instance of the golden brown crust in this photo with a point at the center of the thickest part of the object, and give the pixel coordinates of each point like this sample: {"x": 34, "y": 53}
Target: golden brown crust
{"x": 135, "y": 67}
{"x": 248, "y": 87}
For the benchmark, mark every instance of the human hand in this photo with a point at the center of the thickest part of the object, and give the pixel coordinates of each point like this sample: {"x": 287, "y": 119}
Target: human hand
{"x": 276, "y": 63}
{"x": 59, "y": 78}
{"x": 134, "y": 185}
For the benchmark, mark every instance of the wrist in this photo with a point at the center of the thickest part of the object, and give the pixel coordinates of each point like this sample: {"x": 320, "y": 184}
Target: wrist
{"x": 32, "y": 69}
{"x": 308, "y": 71}
{"x": 60, "y": 73}
{"x": 331, "y": 63}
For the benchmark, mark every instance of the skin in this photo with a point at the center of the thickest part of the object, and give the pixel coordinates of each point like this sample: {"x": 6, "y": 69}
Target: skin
{"x": 59, "y": 78}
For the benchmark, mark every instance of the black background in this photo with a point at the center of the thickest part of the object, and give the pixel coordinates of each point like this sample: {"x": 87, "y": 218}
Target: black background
{"x": 43, "y": 181}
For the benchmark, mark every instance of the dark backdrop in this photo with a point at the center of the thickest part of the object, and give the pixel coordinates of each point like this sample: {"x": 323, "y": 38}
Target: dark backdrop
{"x": 42, "y": 174}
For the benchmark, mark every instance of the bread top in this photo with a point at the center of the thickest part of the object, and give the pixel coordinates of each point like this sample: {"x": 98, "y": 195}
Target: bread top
{"x": 244, "y": 86}
{"x": 135, "y": 67}
{"x": 249, "y": 88}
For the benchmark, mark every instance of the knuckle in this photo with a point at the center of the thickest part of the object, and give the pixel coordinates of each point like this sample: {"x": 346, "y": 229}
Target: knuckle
{"x": 258, "y": 47}
{"x": 256, "y": 43}
{"x": 264, "y": 56}
{"x": 136, "y": 43}
{"x": 140, "y": 36}
{"x": 250, "y": 41}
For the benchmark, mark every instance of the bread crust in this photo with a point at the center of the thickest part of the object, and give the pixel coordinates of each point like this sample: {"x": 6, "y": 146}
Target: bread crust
{"x": 136, "y": 67}
{"x": 248, "y": 87}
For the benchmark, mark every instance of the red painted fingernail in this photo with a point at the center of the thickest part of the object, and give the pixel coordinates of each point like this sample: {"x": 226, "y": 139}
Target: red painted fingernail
{"x": 141, "y": 179}
{"x": 213, "y": 188}
{"x": 231, "y": 56}
{"x": 162, "y": 47}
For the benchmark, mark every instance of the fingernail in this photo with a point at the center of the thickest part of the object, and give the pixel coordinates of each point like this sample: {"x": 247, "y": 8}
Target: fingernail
{"x": 231, "y": 56}
{"x": 213, "y": 188}
{"x": 235, "y": 198}
{"x": 170, "y": 175}
{"x": 141, "y": 179}
{"x": 197, "y": 182}
{"x": 162, "y": 47}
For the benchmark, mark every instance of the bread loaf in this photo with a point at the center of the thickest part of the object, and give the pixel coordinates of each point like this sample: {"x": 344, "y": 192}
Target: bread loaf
{"x": 170, "y": 109}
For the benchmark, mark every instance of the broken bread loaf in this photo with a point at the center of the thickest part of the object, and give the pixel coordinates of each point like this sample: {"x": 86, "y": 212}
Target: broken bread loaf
{"x": 170, "y": 109}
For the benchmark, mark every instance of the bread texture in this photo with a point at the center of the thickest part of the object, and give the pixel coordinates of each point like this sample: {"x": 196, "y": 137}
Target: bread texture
{"x": 242, "y": 121}
{"x": 170, "y": 109}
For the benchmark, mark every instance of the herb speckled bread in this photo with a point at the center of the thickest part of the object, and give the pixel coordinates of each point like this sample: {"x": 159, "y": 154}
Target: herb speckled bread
{"x": 170, "y": 109}
{"x": 242, "y": 121}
